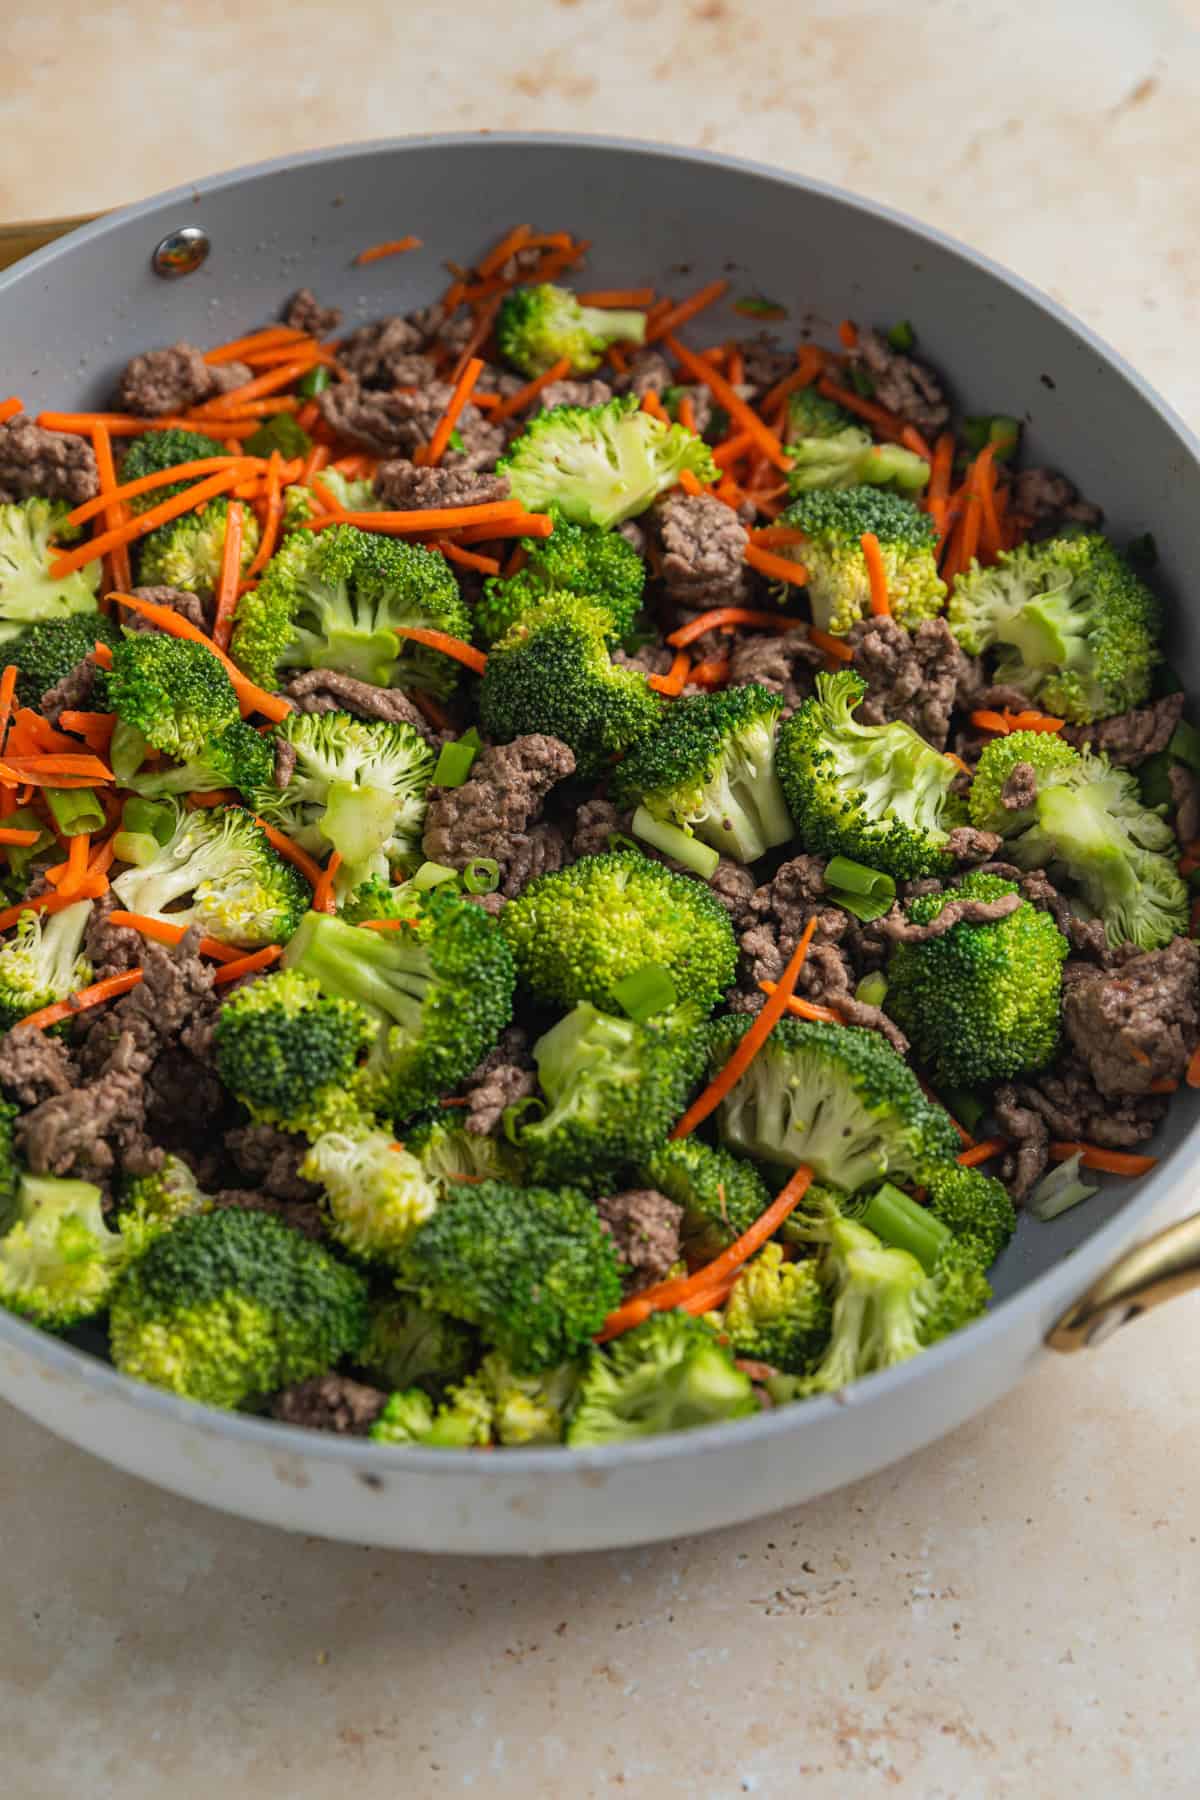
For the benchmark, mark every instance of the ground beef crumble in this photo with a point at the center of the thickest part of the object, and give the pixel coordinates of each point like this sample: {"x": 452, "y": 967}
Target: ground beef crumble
{"x": 330, "y": 1403}
{"x": 304, "y": 312}
{"x": 405, "y": 487}
{"x": 494, "y": 812}
{"x": 1137, "y": 1024}
{"x": 646, "y": 1230}
{"x": 56, "y": 464}
{"x": 913, "y": 676}
{"x": 1130, "y": 737}
{"x": 901, "y": 383}
{"x": 171, "y": 381}
{"x": 703, "y": 552}
{"x": 783, "y": 661}
{"x": 326, "y": 690}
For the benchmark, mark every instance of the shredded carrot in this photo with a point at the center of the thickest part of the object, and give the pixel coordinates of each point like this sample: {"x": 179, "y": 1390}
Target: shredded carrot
{"x": 449, "y": 646}
{"x": 435, "y": 518}
{"x": 912, "y": 440}
{"x": 395, "y": 247}
{"x": 101, "y": 655}
{"x": 76, "y": 766}
{"x": 480, "y": 333}
{"x": 240, "y": 399}
{"x": 9, "y": 409}
{"x": 270, "y": 336}
{"x": 726, "y": 615}
{"x": 528, "y": 394}
{"x": 848, "y": 334}
{"x": 129, "y": 490}
{"x": 12, "y": 834}
{"x": 688, "y": 482}
{"x": 227, "y": 580}
{"x": 8, "y": 687}
{"x": 673, "y": 681}
{"x": 983, "y": 1152}
{"x": 1004, "y": 722}
{"x": 102, "y": 858}
{"x": 517, "y": 560}
{"x": 248, "y": 965}
{"x": 68, "y": 561}
{"x": 431, "y": 454}
{"x": 777, "y": 537}
{"x": 251, "y": 697}
{"x": 887, "y": 424}
{"x": 806, "y": 1009}
{"x": 638, "y": 298}
{"x": 1112, "y": 1162}
{"x": 273, "y": 518}
{"x": 876, "y": 575}
{"x": 96, "y": 995}
{"x": 835, "y": 647}
{"x": 739, "y": 412}
{"x": 213, "y": 797}
{"x": 653, "y": 405}
{"x": 675, "y": 316}
{"x": 938, "y": 492}
{"x": 248, "y": 410}
{"x": 779, "y": 568}
{"x": 50, "y": 903}
{"x": 960, "y": 765}
{"x": 713, "y": 672}
{"x": 749, "y": 1046}
{"x": 163, "y": 932}
{"x": 323, "y": 900}
{"x": 732, "y": 449}
{"x": 467, "y": 559}
{"x": 115, "y": 512}
{"x": 316, "y": 460}
{"x": 534, "y": 525}
{"x": 809, "y": 363}
{"x": 986, "y": 720}
{"x": 509, "y": 244}
{"x": 291, "y": 852}
{"x": 77, "y": 865}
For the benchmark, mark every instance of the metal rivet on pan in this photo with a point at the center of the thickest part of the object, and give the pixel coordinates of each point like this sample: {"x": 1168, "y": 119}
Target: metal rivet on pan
{"x": 181, "y": 252}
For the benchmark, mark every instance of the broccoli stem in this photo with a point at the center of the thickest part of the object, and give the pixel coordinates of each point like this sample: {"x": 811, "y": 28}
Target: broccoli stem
{"x": 904, "y": 1223}
{"x": 675, "y": 843}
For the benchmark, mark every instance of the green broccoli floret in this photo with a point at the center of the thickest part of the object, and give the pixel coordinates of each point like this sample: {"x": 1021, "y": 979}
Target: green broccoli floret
{"x": 441, "y": 990}
{"x": 1089, "y": 822}
{"x": 45, "y": 653}
{"x": 532, "y": 1267}
{"x": 333, "y": 599}
{"x": 358, "y": 785}
{"x": 1073, "y": 626}
{"x": 828, "y": 450}
{"x": 379, "y": 898}
{"x": 839, "y": 588}
{"x": 876, "y": 793}
{"x": 615, "y": 1089}
{"x": 721, "y": 1195}
{"x": 186, "y": 552}
{"x": 975, "y": 1207}
{"x": 446, "y": 1149}
{"x": 242, "y": 891}
{"x": 40, "y": 961}
{"x": 152, "y": 1204}
{"x": 551, "y": 673}
{"x": 238, "y": 757}
{"x": 10, "y": 1168}
{"x": 577, "y": 932}
{"x": 376, "y": 1191}
{"x": 231, "y": 1305}
{"x": 710, "y": 769}
{"x": 463, "y": 1422}
{"x": 980, "y": 1003}
{"x": 574, "y": 559}
{"x": 601, "y": 464}
{"x": 670, "y": 1374}
{"x": 169, "y": 695}
{"x": 30, "y": 534}
{"x": 538, "y": 326}
{"x": 409, "y": 1346}
{"x": 290, "y": 1054}
{"x": 159, "y": 450}
{"x": 59, "y": 1261}
{"x": 495, "y": 1404}
{"x": 779, "y": 1313}
{"x": 834, "y": 1097}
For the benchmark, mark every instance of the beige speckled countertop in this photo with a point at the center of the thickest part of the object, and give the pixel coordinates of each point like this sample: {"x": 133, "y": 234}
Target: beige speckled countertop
{"x": 1013, "y": 1612}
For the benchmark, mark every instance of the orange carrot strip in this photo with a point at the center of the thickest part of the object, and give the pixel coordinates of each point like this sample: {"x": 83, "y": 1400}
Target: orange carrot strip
{"x": 227, "y": 580}
{"x": 687, "y": 418}
{"x": 1193, "y": 1069}
{"x": 449, "y": 646}
{"x": 509, "y": 244}
{"x": 672, "y": 682}
{"x": 87, "y": 768}
{"x": 809, "y": 363}
{"x": 96, "y": 995}
{"x": 528, "y": 394}
{"x": 323, "y": 900}
{"x": 46, "y": 903}
{"x": 1112, "y": 1162}
{"x": 115, "y": 514}
{"x": 238, "y": 399}
{"x": 257, "y": 409}
{"x": 1164, "y": 1085}
{"x": 291, "y": 852}
{"x": 77, "y": 865}
{"x": 836, "y": 647}
{"x": 274, "y": 516}
{"x": 102, "y": 655}
{"x": 248, "y": 965}
{"x": 10, "y": 408}
{"x": 777, "y": 537}
{"x": 163, "y": 932}
{"x": 316, "y": 460}
{"x": 251, "y": 697}
{"x": 986, "y": 720}
{"x": 731, "y": 449}
{"x": 534, "y": 525}
{"x": 129, "y": 490}
{"x": 617, "y": 297}
{"x": 848, "y": 334}
{"x": 983, "y": 1152}
{"x": 887, "y": 424}
{"x": 713, "y": 672}
{"x": 911, "y": 438}
{"x": 12, "y": 834}
{"x": 779, "y": 568}
{"x": 102, "y": 858}
{"x": 688, "y": 481}
{"x": 268, "y": 337}
{"x": 435, "y": 449}
{"x": 740, "y": 414}
{"x": 1033, "y": 721}
{"x": 749, "y": 1046}
{"x": 486, "y": 565}
{"x": 68, "y": 561}
{"x": 726, "y": 615}
{"x": 653, "y": 405}
{"x": 964, "y": 768}
{"x": 675, "y": 316}
{"x": 806, "y": 1009}
{"x": 876, "y": 575}
{"x": 395, "y": 247}
{"x": 8, "y": 687}
{"x": 435, "y": 518}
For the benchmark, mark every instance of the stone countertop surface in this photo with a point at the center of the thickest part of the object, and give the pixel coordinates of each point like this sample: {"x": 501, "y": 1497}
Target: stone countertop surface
{"x": 1012, "y": 1612}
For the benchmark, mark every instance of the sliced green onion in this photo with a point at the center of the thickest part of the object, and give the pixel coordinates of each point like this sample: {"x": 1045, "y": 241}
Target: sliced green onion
{"x": 481, "y": 875}
{"x": 431, "y": 874}
{"x": 1058, "y": 1190}
{"x": 997, "y": 429}
{"x": 76, "y": 811}
{"x": 856, "y": 878}
{"x": 861, "y": 905}
{"x": 314, "y": 383}
{"x": 472, "y": 737}
{"x": 1185, "y": 745}
{"x": 126, "y": 751}
{"x": 646, "y": 992}
{"x": 673, "y": 842}
{"x": 872, "y": 988}
{"x": 1142, "y": 551}
{"x": 136, "y": 847}
{"x": 455, "y": 441}
{"x": 454, "y": 764}
{"x": 157, "y": 818}
{"x": 512, "y": 1116}
{"x": 757, "y": 306}
{"x": 279, "y": 433}
{"x": 967, "y": 1106}
{"x": 905, "y": 1224}
{"x": 902, "y": 336}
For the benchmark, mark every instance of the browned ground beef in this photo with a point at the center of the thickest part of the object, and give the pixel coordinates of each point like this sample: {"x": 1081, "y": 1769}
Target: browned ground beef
{"x": 397, "y": 423}
{"x": 76, "y": 692}
{"x": 1130, "y": 737}
{"x": 176, "y": 600}
{"x": 167, "y": 381}
{"x": 387, "y": 354}
{"x": 646, "y": 1232}
{"x": 1136, "y": 1024}
{"x": 785, "y": 662}
{"x": 1051, "y": 501}
{"x": 901, "y": 383}
{"x": 271, "y": 1159}
{"x": 505, "y": 1075}
{"x": 703, "y": 552}
{"x": 912, "y": 676}
{"x": 326, "y": 690}
{"x": 494, "y": 812}
{"x": 404, "y": 487}
{"x": 330, "y": 1403}
{"x": 574, "y": 393}
{"x": 304, "y": 312}
{"x": 35, "y": 1065}
{"x": 55, "y": 464}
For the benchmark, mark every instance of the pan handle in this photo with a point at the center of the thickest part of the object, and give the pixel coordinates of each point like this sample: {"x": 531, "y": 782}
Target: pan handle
{"x": 21, "y": 240}
{"x": 1165, "y": 1265}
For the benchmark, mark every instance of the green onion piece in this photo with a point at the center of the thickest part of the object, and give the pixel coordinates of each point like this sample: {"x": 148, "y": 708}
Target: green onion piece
{"x": 1058, "y": 1190}
{"x": 673, "y": 842}
{"x": 453, "y": 764}
{"x": 431, "y": 874}
{"x": 997, "y": 429}
{"x": 872, "y": 988}
{"x": 905, "y": 1224}
{"x": 902, "y": 336}
{"x": 21, "y": 855}
{"x": 1142, "y": 551}
{"x": 856, "y": 878}
{"x": 617, "y": 840}
{"x": 1185, "y": 745}
{"x": 757, "y": 306}
{"x": 315, "y": 382}
{"x": 472, "y": 737}
{"x": 512, "y": 1115}
{"x": 967, "y": 1106}
{"x": 1154, "y": 780}
{"x": 861, "y": 382}
{"x": 76, "y": 811}
{"x": 157, "y": 818}
{"x": 646, "y": 992}
{"x": 482, "y": 875}
{"x": 455, "y": 441}
{"x": 126, "y": 751}
{"x": 863, "y": 906}
{"x": 279, "y": 433}
{"x": 136, "y": 847}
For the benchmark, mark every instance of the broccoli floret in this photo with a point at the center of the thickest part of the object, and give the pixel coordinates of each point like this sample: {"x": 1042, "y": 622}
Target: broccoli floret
{"x": 333, "y": 599}
{"x": 1088, "y": 821}
{"x": 59, "y": 1262}
{"x": 169, "y": 695}
{"x": 528, "y": 1409}
{"x": 40, "y": 961}
{"x": 45, "y": 653}
{"x": 577, "y": 932}
{"x": 828, "y": 450}
{"x": 1073, "y": 626}
{"x": 152, "y": 1204}
{"x": 242, "y": 891}
{"x": 615, "y": 1089}
{"x": 379, "y": 898}
{"x": 358, "y": 785}
{"x": 464, "y": 1421}
{"x": 446, "y": 1149}
{"x": 670, "y": 1374}
{"x": 353, "y": 494}
{"x": 538, "y": 326}
{"x": 186, "y": 552}
{"x": 230, "y": 1305}
{"x": 710, "y": 769}
{"x": 878, "y": 793}
{"x": 551, "y": 673}
{"x": 980, "y": 1003}
{"x": 779, "y": 1312}
{"x": 409, "y": 1346}
{"x": 532, "y": 1267}
{"x": 839, "y": 587}
{"x": 975, "y": 1207}
{"x": 376, "y": 1191}
{"x": 238, "y": 757}
{"x": 1049, "y": 756}
{"x": 440, "y": 988}
{"x": 834, "y": 1097}
{"x": 10, "y": 1167}
{"x": 30, "y": 532}
{"x": 574, "y": 559}
{"x": 290, "y": 1054}
{"x": 159, "y": 450}
{"x": 601, "y": 464}
{"x": 721, "y": 1195}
